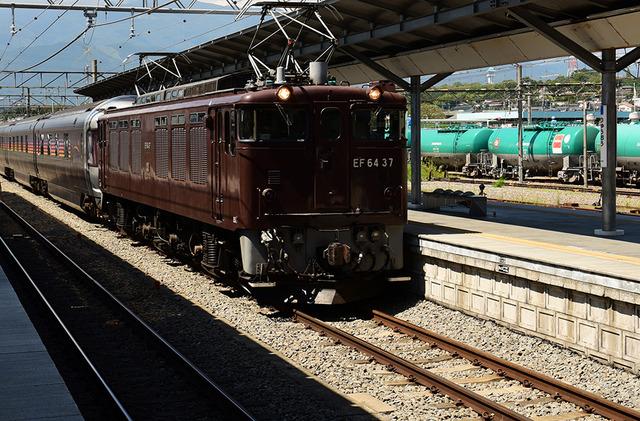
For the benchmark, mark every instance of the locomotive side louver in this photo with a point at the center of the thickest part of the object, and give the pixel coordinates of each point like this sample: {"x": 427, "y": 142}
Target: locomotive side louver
{"x": 273, "y": 177}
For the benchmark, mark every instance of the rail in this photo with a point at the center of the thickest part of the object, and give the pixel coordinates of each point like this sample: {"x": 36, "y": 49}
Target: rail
{"x": 488, "y": 409}
{"x": 232, "y": 408}
{"x": 589, "y": 402}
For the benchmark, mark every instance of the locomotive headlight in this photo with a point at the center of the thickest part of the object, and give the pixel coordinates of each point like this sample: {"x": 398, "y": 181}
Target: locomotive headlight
{"x": 284, "y": 93}
{"x": 375, "y": 93}
{"x": 376, "y": 235}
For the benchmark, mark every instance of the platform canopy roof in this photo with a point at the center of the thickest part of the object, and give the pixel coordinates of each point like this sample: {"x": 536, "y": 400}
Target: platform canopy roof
{"x": 415, "y": 37}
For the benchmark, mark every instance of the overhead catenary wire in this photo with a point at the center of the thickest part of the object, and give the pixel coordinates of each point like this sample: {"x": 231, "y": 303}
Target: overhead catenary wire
{"x": 147, "y": 12}
{"x": 91, "y": 26}
{"x": 217, "y": 28}
{"x": 35, "y": 18}
{"x": 57, "y": 52}
{"x": 38, "y": 36}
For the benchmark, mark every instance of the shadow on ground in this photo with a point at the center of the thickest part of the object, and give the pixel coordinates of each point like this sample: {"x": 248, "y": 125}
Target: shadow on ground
{"x": 267, "y": 385}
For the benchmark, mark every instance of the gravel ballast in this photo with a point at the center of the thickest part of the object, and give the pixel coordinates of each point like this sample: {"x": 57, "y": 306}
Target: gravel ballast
{"x": 202, "y": 318}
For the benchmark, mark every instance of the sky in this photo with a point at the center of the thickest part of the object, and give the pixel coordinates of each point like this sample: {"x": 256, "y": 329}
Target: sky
{"x": 111, "y": 44}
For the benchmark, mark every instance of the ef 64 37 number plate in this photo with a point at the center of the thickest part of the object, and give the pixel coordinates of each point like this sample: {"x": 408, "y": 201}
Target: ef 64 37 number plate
{"x": 372, "y": 162}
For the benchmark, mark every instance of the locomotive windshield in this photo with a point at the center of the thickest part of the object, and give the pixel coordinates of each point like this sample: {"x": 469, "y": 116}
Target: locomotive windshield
{"x": 275, "y": 123}
{"x": 381, "y": 124}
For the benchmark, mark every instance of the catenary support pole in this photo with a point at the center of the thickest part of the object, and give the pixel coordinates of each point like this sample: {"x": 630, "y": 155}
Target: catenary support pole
{"x": 416, "y": 179}
{"x": 608, "y": 152}
{"x": 520, "y": 132}
{"x": 94, "y": 70}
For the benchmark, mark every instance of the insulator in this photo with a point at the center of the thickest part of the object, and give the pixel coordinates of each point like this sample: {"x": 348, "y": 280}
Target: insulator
{"x": 13, "y": 22}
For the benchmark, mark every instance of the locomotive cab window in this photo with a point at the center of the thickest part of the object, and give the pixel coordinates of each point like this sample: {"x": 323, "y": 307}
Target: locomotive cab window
{"x": 272, "y": 124}
{"x": 378, "y": 124}
{"x": 195, "y": 118}
{"x": 330, "y": 124}
{"x": 177, "y": 119}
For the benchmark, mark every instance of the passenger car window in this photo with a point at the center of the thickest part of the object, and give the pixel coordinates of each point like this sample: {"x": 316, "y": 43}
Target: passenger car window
{"x": 330, "y": 124}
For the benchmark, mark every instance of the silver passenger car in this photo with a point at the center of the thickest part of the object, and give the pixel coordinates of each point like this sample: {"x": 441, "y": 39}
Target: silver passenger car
{"x": 56, "y": 153}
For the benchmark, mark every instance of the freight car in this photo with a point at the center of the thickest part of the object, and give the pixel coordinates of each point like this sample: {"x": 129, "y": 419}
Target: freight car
{"x": 547, "y": 149}
{"x": 55, "y": 154}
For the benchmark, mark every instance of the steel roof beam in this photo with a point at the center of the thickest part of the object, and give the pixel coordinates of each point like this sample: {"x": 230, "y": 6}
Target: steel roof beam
{"x": 407, "y": 25}
{"x": 377, "y": 68}
{"x": 628, "y": 59}
{"x": 433, "y": 80}
{"x": 556, "y": 37}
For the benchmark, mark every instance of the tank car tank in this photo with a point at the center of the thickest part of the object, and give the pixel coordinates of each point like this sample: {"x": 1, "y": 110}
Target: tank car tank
{"x": 628, "y": 150}
{"x": 547, "y": 149}
{"x": 454, "y": 147}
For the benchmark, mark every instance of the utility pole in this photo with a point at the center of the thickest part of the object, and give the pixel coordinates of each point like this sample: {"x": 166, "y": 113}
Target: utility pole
{"x": 28, "y": 102}
{"x": 520, "y": 152}
{"x": 529, "y": 110}
{"x": 585, "y": 167}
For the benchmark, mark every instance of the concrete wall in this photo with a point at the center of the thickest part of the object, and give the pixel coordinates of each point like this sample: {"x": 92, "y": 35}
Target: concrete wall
{"x": 590, "y": 313}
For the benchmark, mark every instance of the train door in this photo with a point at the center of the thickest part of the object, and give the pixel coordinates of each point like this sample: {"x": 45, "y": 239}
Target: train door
{"x": 331, "y": 174}
{"x": 102, "y": 143}
{"x": 34, "y": 147}
{"x": 217, "y": 141}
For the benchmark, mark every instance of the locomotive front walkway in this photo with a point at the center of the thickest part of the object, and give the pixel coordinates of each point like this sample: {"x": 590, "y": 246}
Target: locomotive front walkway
{"x": 31, "y": 387}
{"x": 539, "y": 270}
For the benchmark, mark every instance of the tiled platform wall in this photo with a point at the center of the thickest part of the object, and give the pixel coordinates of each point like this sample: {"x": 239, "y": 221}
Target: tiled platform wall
{"x": 589, "y": 313}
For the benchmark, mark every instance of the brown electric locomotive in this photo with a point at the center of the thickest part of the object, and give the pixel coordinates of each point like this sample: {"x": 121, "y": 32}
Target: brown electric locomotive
{"x": 296, "y": 187}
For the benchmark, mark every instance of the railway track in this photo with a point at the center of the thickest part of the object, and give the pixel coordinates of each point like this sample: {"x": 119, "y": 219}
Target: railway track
{"x": 461, "y": 359}
{"x": 539, "y": 184}
{"x": 141, "y": 375}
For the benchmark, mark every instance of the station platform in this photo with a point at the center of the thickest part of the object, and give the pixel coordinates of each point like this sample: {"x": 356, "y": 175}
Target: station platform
{"x": 536, "y": 269}
{"x": 31, "y": 386}
{"x": 564, "y": 237}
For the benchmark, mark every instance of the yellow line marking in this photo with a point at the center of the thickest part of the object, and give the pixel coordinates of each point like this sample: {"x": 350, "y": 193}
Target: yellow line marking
{"x": 564, "y": 249}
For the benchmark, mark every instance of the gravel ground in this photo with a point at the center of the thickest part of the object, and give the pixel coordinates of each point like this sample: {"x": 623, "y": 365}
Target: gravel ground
{"x": 535, "y": 353}
{"x": 201, "y": 318}
{"x": 534, "y": 195}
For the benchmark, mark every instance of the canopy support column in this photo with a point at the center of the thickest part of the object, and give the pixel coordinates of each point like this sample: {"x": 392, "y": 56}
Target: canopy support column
{"x": 416, "y": 170}
{"x": 608, "y": 151}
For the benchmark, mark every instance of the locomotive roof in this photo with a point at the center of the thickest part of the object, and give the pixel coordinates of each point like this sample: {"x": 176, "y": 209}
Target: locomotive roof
{"x": 301, "y": 95}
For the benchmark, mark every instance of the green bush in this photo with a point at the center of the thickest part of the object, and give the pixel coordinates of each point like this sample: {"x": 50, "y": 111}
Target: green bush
{"x": 500, "y": 182}
{"x": 428, "y": 171}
